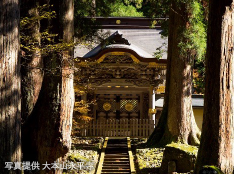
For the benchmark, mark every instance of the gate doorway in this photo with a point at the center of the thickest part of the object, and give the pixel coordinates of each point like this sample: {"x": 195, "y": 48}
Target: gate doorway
{"x": 118, "y": 106}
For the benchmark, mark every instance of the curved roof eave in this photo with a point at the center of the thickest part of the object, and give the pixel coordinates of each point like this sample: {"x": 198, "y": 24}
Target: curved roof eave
{"x": 100, "y": 52}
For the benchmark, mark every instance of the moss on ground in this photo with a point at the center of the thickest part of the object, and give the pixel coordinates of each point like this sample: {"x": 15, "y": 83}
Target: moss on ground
{"x": 85, "y": 152}
{"x": 212, "y": 169}
{"x": 191, "y": 150}
{"x": 149, "y": 157}
{"x": 149, "y": 160}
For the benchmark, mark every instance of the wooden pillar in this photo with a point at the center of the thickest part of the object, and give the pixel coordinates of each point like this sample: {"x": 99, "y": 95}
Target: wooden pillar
{"x": 95, "y": 106}
{"x": 141, "y": 105}
{"x": 151, "y": 103}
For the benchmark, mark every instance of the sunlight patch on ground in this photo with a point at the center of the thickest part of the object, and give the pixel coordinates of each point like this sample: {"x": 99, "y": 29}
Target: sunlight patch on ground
{"x": 149, "y": 159}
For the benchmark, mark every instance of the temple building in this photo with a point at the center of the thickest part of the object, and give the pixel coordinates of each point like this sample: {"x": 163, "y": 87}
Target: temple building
{"x": 128, "y": 82}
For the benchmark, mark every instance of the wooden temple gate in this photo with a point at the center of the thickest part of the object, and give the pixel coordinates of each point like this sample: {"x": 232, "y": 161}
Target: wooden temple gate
{"x": 119, "y": 128}
{"x": 124, "y": 78}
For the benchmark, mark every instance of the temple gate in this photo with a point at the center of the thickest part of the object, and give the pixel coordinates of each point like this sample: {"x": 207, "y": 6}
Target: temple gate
{"x": 125, "y": 80}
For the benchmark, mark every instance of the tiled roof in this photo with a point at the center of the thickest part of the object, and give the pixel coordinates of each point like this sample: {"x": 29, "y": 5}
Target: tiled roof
{"x": 142, "y": 41}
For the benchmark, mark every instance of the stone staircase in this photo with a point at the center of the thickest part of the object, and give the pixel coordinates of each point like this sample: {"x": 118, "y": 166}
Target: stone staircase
{"x": 116, "y": 159}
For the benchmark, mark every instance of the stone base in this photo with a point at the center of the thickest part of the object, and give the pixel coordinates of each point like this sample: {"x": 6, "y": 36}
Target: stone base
{"x": 183, "y": 158}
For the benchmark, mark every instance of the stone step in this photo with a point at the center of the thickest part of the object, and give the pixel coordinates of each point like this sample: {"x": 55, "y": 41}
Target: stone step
{"x": 117, "y": 172}
{"x": 118, "y": 148}
{"x": 116, "y": 167}
{"x": 116, "y": 160}
{"x": 116, "y": 152}
{"x": 116, "y": 164}
{"x": 117, "y": 155}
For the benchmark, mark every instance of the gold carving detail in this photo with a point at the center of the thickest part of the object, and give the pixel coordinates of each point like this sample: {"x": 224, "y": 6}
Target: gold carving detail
{"x": 160, "y": 89}
{"x": 152, "y": 111}
{"x": 117, "y": 54}
{"x": 129, "y": 107}
{"x": 118, "y": 22}
{"x": 156, "y": 65}
{"x": 107, "y": 106}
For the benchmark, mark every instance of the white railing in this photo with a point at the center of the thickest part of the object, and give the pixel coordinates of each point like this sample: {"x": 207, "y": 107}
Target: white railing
{"x": 119, "y": 128}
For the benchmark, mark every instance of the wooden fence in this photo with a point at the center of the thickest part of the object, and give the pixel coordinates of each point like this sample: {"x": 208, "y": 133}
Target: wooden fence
{"x": 119, "y": 128}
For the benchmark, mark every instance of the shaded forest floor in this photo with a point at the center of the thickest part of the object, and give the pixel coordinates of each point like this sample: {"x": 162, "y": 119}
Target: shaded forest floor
{"x": 148, "y": 160}
{"x": 84, "y": 151}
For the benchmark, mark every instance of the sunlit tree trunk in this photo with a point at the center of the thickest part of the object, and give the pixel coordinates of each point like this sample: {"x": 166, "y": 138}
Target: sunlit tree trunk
{"x": 217, "y": 140}
{"x": 10, "y": 85}
{"x": 32, "y": 63}
{"x": 51, "y": 119}
{"x": 56, "y": 105}
{"x": 177, "y": 122}
{"x": 31, "y": 71}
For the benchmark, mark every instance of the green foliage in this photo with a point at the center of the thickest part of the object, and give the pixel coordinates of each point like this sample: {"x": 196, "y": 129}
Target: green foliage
{"x": 193, "y": 41}
{"x": 199, "y": 77}
{"x": 195, "y": 32}
{"x": 44, "y": 42}
{"x": 136, "y": 3}
{"x": 120, "y": 9}
{"x": 155, "y": 8}
{"x": 193, "y": 36}
{"x": 86, "y": 29}
{"x": 160, "y": 51}
{"x": 108, "y": 8}
{"x": 84, "y": 9}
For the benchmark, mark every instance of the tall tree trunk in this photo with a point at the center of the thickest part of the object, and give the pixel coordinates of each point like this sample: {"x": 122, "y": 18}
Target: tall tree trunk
{"x": 32, "y": 74}
{"x": 177, "y": 122}
{"x": 51, "y": 120}
{"x": 217, "y": 140}
{"x": 32, "y": 63}
{"x": 10, "y": 85}
{"x": 31, "y": 71}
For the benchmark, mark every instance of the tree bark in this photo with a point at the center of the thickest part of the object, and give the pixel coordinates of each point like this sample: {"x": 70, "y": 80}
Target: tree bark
{"x": 51, "y": 120}
{"x": 57, "y": 91}
{"x": 32, "y": 63}
{"x": 217, "y": 140}
{"x": 32, "y": 75}
{"x": 10, "y": 85}
{"x": 177, "y": 122}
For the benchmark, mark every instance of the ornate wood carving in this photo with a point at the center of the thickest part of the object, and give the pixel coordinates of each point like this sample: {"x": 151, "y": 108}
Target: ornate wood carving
{"x": 117, "y": 59}
{"x": 115, "y": 67}
{"x": 99, "y": 82}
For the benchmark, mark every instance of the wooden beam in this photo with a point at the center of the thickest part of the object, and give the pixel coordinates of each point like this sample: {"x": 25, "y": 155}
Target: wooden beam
{"x": 99, "y": 169}
{"x": 132, "y": 166}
